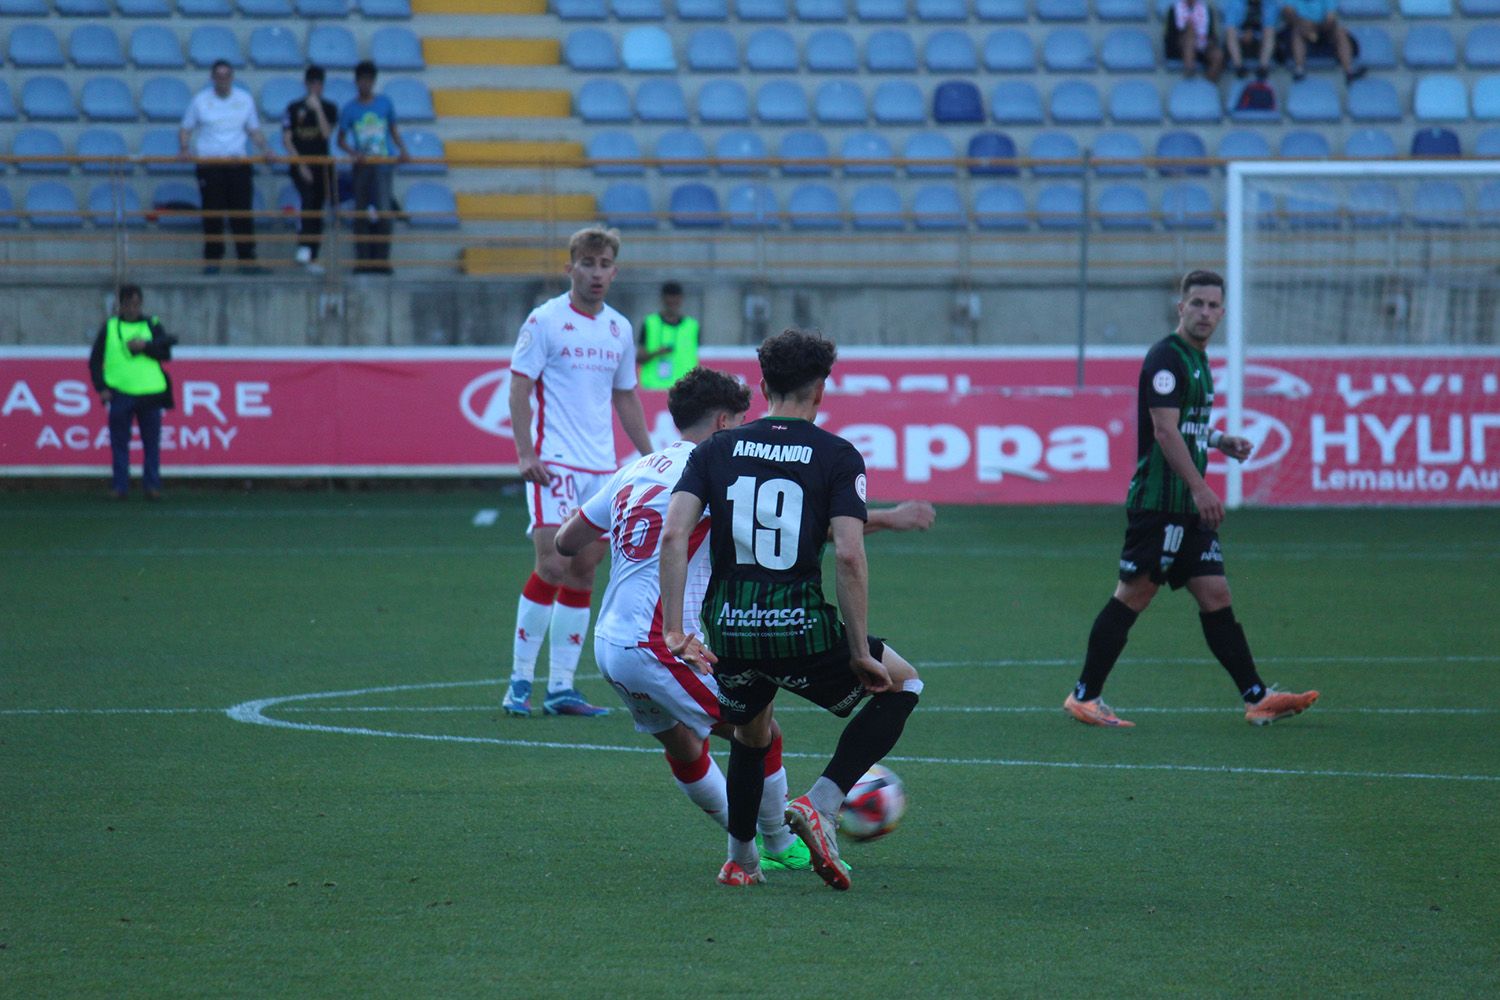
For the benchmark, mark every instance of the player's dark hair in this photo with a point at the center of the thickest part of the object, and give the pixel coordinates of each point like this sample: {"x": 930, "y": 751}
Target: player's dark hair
{"x": 128, "y": 292}
{"x": 1210, "y": 279}
{"x": 671, "y": 288}
{"x": 220, "y": 62}
{"x": 792, "y": 360}
{"x": 701, "y": 392}
{"x": 314, "y": 74}
{"x": 365, "y": 68}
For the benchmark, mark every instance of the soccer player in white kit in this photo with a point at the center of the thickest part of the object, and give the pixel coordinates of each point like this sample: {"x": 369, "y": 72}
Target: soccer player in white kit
{"x": 666, "y": 697}
{"x": 575, "y": 358}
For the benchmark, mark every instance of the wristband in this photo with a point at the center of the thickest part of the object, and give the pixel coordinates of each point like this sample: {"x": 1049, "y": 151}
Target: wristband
{"x": 1214, "y": 437}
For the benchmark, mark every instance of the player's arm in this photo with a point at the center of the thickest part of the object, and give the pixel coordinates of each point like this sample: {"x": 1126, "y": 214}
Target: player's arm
{"x": 627, "y": 404}
{"x": 575, "y": 535}
{"x": 1236, "y": 447}
{"x": 1175, "y": 450}
{"x": 532, "y": 469}
{"x": 909, "y": 515}
{"x": 683, "y": 514}
{"x": 852, "y": 574}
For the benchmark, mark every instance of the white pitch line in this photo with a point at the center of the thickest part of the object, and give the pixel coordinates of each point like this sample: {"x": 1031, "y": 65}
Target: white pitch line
{"x": 1173, "y": 660}
{"x": 925, "y": 710}
{"x": 108, "y": 711}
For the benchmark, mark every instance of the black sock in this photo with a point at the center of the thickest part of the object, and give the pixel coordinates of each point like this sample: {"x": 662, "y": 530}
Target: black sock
{"x": 743, "y": 786}
{"x": 1228, "y": 642}
{"x": 1106, "y": 641}
{"x": 869, "y": 736}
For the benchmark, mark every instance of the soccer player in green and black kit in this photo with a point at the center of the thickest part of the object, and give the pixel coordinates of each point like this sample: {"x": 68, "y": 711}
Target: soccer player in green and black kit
{"x": 774, "y": 489}
{"x": 1173, "y": 517}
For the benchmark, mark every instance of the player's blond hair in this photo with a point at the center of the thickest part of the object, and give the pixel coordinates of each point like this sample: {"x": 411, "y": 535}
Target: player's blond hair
{"x": 594, "y": 240}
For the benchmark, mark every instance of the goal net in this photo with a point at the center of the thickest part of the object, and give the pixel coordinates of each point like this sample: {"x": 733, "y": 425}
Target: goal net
{"x": 1363, "y": 332}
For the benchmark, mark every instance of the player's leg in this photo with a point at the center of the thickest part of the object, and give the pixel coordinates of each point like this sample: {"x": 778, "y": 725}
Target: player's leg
{"x": 534, "y": 612}
{"x": 748, "y": 747}
{"x": 569, "y": 626}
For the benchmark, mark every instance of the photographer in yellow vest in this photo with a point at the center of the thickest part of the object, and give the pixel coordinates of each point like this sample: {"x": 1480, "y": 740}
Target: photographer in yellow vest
{"x": 125, "y": 366}
{"x": 669, "y": 342}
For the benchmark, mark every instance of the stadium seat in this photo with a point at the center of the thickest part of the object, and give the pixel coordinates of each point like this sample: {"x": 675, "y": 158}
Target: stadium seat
{"x": 648, "y": 49}
{"x": 814, "y": 206}
{"x": 1056, "y": 154}
{"x": 34, "y": 46}
{"x": 1429, "y": 46}
{"x": 1000, "y": 10}
{"x": 1135, "y": 102}
{"x": 1180, "y": 146}
{"x": 265, "y": 8}
{"x": 1303, "y": 145}
{"x": 1312, "y": 204}
{"x": 1062, "y": 10}
{"x": 7, "y": 103}
{"x": 661, "y": 101}
{"x": 876, "y": 206}
{"x": 1426, "y": 8}
{"x": 1488, "y": 143}
{"x": 332, "y": 46}
{"x": 340, "y": 90}
{"x": 626, "y": 205}
{"x": 1376, "y": 50}
{"x": 929, "y": 154}
{"x": 273, "y": 46}
{"x": 818, "y": 10}
{"x": 81, "y": 8}
{"x": 1009, "y": 50}
{"x": 781, "y": 102}
{"x": 938, "y": 206}
{"x": 1060, "y": 206}
{"x": 324, "y": 8}
{"x": 1123, "y": 207}
{"x": 1068, "y": 50}
{"x": 890, "y": 51}
{"x": 681, "y": 153}
{"x": 880, "y": 10}
{"x": 712, "y": 50}
{"x": 1014, "y": 103}
{"x": 737, "y": 152}
{"x": 1482, "y": 47}
{"x": 51, "y": 205}
{"x": 143, "y": 8}
{"x": 1119, "y": 146}
{"x": 1440, "y": 98}
{"x": 1435, "y": 143}
{"x": 832, "y": 50}
{"x": 1195, "y": 101}
{"x": 771, "y": 50}
{"x": 422, "y": 145}
{"x": 1480, "y": 8}
{"x": 166, "y": 99}
{"x": 1370, "y": 144}
{"x": 702, "y": 10}
{"x": 47, "y": 99}
{"x": 1487, "y": 98}
{"x": 396, "y": 48}
{"x": 898, "y": 102}
{"x": 1379, "y": 9}
{"x": 430, "y": 205}
{"x": 752, "y": 206}
{"x": 1373, "y": 100}
{"x": 999, "y": 152}
{"x": 638, "y": 10}
{"x": 1000, "y": 206}
{"x": 1075, "y": 102}
{"x": 209, "y": 43}
{"x": 1122, "y": 10}
{"x": 839, "y": 102}
{"x": 24, "y": 8}
{"x": 103, "y": 151}
{"x": 614, "y": 145}
{"x": 1128, "y": 50}
{"x": 1374, "y": 204}
{"x": 723, "y": 102}
{"x": 580, "y": 10}
{"x": 94, "y": 46}
{"x": 39, "y": 142}
{"x": 106, "y": 99}
{"x": 155, "y": 47}
{"x": 205, "y": 8}
{"x": 1185, "y": 205}
{"x": 863, "y": 153}
{"x": 803, "y": 154}
{"x": 1312, "y": 100}
{"x": 950, "y": 51}
{"x": 1488, "y": 205}
{"x": 956, "y": 101}
{"x": 115, "y": 205}
{"x": 1439, "y": 204}
{"x": 1249, "y": 115}
{"x": 160, "y": 146}
{"x": 8, "y": 217}
{"x": 760, "y": 10}
{"x": 1242, "y": 144}
{"x": 393, "y": 10}
{"x": 409, "y": 97}
{"x": 937, "y": 11}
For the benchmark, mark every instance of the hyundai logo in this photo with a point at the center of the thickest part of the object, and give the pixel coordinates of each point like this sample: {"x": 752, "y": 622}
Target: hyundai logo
{"x": 1271, "y": 438}
{"x": 485, "y": 402}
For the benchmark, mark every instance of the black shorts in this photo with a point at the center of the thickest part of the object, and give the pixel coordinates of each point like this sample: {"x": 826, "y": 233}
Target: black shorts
{"x": 746, "y": 687}
{"x": 1171, "y": 548}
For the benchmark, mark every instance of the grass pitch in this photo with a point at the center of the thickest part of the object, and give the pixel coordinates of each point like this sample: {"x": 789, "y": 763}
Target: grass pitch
{"x": 393, "y": 835}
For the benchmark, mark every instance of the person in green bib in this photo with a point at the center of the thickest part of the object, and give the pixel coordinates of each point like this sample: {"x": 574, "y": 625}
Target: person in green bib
{"x": 669, "y": 342}
{"x": 126, "y": 368}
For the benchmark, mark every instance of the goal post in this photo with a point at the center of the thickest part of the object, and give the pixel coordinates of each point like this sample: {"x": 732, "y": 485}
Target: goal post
{"x": 1362, "y": 331}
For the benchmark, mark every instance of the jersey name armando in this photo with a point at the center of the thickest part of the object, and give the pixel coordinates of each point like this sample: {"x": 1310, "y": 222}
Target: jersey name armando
{"x": 799, "y": 453}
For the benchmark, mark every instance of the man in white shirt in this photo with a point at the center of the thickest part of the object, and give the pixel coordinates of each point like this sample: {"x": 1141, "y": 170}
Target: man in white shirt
{"x": 218, "y": 121}
{"x": 573, "y": 363}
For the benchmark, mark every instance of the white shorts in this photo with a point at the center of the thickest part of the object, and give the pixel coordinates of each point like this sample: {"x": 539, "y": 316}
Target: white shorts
{"x": 549, "y": 506}
{"x": 659, "y": 689}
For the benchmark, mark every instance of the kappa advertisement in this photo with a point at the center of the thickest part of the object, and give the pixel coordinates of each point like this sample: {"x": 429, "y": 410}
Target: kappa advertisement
{"x": 974, "y": 426}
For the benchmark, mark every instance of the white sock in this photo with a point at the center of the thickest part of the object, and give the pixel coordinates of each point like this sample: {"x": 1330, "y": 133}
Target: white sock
{"x": 532, "y": 620}
{"x": 771, "y": 821}
{"x": 570, "y": 624}
{"x": 743, "y": 853}
{"x": 707, "y": 793}
{"x": 826, "y": 797}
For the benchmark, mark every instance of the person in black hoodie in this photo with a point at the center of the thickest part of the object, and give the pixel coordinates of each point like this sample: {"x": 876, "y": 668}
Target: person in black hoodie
{"x": 126, "y": 368}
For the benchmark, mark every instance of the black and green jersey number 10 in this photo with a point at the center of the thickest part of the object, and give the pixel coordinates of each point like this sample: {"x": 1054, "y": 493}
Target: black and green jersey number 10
{"x": 766, "y": 521}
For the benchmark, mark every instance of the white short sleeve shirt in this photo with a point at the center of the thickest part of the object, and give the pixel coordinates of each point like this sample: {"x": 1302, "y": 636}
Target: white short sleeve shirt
{"x": 220, "y": 124}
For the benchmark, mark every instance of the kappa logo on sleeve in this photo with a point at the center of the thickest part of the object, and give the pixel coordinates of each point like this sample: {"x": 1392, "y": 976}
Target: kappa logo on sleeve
{"x": 1163, "y": 382}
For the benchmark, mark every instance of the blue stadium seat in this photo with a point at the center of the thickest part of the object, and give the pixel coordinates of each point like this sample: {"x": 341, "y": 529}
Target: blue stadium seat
{"x": 102, "y": 145}
{"x": 638, "y": 10}
{"x": 1487, "y": 98}
{"x": 1060, "y": 206}
{"x": 648, "y": 49}
{"x": 957, "y": 101}
{"x": 820, "y": 10}
{"x": 1312, "y": 204}
{"x": 723, "y": 102}
{"x": 393, "y": 10}
{"x": 1242, "y": 144}
{"x": 209, "y": 43}
{"x": 880, "y": 10}
{"x": 1488, "y": 143}
{"x": 422, "y": 145}
{"x": 430, "y": 205}
{"x": 1000, "y": 206}
{"x": 832, "y": 50}
{"x": 1488, "y": 205}
{"x": 1119, "y": 146}
{"x": 23, "y": 8}
{"x": 899, "y": 102}
{"x": 1014, "y": 103}
{"x": 936, "y": 11}
{"x": 1482, "y": 47}
{"x": 1249, "y": 115}
{"x": 1009, "y": 50}
{"x": 1378, "y": 9}
{"x": 771, "y": 50}
{"x": 1062, "y": 10}
{"x": 1480, "y": 8}
{"x": 273, "y": 46}
{"x": 1057, "y": 155}
{"x": 1376, "y": 50}
{"x": 155, "y": 47}
{"x": 1134, "y": 102}
{"x": 929, "y": 154}
{"x": 205, "y": 8}
{"x": 265, "y": 8}
{"x": 106, "y": 99}
{"x": 1195, "y": 101}
{"x": 580, "y": 10}
{"x": 166, "y": 99}
{"x": 752, "y": 206}
{"x": 34, "y": 46}
{"x": 332, "y": 46}
{"x": 876, "y": 206}
{"x": 143, "y": 8}
{"x": 998, "y": 149}
{"x": 1068, "y": 50}
{"x": 81, "y": 8}
{"x": 803, "y": 153}
{"x": 1180, "y": 146}
{"x": 661, "y": 101}
{"x": 1440, "y": 97}
{"x": 323, "y": 8}
{"x": 396, "y": 48}
{"x": 8, "y": 217}
{"x": 702, "y": 10}
{"x": 1075, "y": 102}
{"x": 114, "y": 204}
{"x": 814, "y": 206}
{"x": 1122, "y": 10}
{"x": 51, "y": 205}
{"x": 614, "y": 145}
{"x": 1185, "y": 205}
{"x": 1000, "y": 10}
{"x": 861, "y": 152}
{"x": 39, "y": 142}
{"x": 1373, "y": 100}
{"x": 94, "y": 46}
{"x": 1426, "y": 8}
{"x": 950, "y": 51}
{"x": 760, "y": 10}
{"x": 1439, "y": 204}
{"x": 1128, "y": 50}
{"x": 1370, "y": 144}
{"x": 1429, "y": 46}
{"x": 737, "y": 150}
{"x": 781, "y": 102}
{"x": 160, "y": 144}
{"x": 1374, "y": 204}
{"x": 890, "y": 51}
{"x": 938, "y": 206}
{"x": 626, "y": 205}
{"x": 1304, "y": 145}
{"x": 1435, "y": 143}
{"x": 7, "y": 103}
{"x": 839, "y": 102}
{"x": 177, "y": 205}
{"x": 682, "y": 153}
{"x": 47, "y": 99}
{"x": 712, "y": 50}
{"x": 1312, "y": 100}
{"x": 1123, "y": 207}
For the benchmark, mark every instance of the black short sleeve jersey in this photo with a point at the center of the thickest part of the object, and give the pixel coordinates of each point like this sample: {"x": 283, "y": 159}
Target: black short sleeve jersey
{"x": 772, "y": 487}
{"x": 307, "y": 139}
{"x": 1174, "y": 374}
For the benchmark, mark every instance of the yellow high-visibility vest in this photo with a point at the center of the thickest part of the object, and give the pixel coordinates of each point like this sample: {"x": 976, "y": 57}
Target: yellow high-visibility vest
{"x": 135, "y": 374}
{"x": 663, "y": 372}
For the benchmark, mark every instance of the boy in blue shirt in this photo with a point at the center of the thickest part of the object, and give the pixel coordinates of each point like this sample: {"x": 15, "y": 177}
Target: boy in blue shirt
{"x": 367, "y": 132}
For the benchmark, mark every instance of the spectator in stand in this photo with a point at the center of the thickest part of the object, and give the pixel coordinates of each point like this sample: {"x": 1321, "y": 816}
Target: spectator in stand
{"x": 305, "y": 128}
{"x": 1250, "y": 22}
{"x": 1191, "y": 37}
{"x": 1312, "y": 22}
{"x": 370, "y": 121}
{"x": 214, "y": 129}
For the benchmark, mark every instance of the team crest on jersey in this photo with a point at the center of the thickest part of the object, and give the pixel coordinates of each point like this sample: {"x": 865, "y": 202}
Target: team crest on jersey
{"x": 614, "y": 328}
{"x": 524, "y": 340}
{"x": 1164, "y": 382}
{"x": 859, "y": 487}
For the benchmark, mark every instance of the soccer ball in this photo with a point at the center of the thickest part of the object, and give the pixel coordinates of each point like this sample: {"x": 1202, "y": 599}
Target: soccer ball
{"x": 874, "y": 805}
